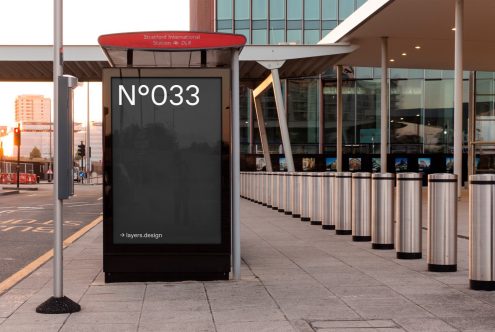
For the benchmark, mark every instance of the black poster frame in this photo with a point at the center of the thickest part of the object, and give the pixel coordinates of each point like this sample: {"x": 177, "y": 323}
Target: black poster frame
{"x": 137, "y": 262}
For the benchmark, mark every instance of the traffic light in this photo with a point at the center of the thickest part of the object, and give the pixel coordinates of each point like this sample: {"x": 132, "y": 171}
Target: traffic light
{"x": 81, "y": 150}
{"x": 17, "y": 136}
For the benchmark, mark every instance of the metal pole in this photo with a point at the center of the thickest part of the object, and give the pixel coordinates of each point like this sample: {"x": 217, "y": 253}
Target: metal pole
{"x": 88, "y": 130}
{"x": 471, "y": 119}
{"x": 57, "y": 71}
{"x": 340, "y": 106}
{"x": 384, "y": 108}
{"x": 459, "y": 4}
{"x": 282, "y": 120}
{"x": 321, "y": 117}
{"x": 236, "y": 224}
{"x": 18, "y": 167}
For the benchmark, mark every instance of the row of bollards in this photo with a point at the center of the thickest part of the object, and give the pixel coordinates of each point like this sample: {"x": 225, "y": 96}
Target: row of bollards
{"x": 386, "y": 209}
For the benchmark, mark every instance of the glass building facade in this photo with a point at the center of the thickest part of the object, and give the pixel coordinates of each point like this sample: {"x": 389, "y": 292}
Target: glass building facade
{"x": 421, "y": 101}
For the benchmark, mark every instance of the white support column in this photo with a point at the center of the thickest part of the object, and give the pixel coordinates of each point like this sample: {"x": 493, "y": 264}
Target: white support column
{"x": 263, "y": 136}
{"x": 340, "y": 113}
{"x": 384, "y": 122}
{"x": 459, "y": 4}
{"x": 236, "y": 223}
{"x": 282, "y": 120}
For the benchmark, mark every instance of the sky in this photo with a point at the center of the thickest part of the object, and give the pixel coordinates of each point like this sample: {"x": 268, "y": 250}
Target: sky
{"x": 30, "y": 22}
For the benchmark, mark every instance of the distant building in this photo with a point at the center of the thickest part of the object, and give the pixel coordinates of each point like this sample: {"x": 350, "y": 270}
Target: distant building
{"x": 32, "y": 108}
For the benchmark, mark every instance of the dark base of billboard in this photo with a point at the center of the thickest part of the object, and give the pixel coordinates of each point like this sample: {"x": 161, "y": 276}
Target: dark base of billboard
{"x": 180, "y": 267}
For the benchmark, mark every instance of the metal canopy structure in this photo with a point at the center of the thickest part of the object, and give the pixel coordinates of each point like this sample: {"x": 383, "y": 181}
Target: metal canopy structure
{"x": 424, "y": 23}
{"x": 34, "y": 63}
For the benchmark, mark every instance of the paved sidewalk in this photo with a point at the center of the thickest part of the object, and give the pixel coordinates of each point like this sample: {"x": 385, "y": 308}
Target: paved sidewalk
{"x": 295, "y": 277}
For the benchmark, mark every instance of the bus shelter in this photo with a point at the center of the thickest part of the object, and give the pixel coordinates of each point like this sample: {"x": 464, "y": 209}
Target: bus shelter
{"x": 171, "y": 158}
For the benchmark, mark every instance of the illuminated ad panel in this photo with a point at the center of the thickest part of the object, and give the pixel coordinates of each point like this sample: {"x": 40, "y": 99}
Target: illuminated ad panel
{"x": 166, "y": 154}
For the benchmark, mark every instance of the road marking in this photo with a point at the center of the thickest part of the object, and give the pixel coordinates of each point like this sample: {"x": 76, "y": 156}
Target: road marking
{"x": 87, "y": 204}
{"x": 30, "y": 207}
{"x": 99, "y": 199}
{"x": 34, "y": 265}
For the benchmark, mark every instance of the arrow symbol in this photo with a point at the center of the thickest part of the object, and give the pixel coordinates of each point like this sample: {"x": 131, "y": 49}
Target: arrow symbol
{"x": 122, "y": 234}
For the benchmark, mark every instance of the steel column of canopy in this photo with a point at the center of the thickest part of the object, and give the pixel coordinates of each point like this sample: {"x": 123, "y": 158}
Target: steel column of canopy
{"x": 458, "y": 58}
{"x": 384, "y": 107}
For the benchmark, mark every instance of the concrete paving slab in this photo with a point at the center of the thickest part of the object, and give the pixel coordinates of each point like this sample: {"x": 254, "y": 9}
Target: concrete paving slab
{"x": 425, "y": 324}
{"x": 77, "y": 327}
{"x": 202, "y": 326}
{"x": 270, "y": 326}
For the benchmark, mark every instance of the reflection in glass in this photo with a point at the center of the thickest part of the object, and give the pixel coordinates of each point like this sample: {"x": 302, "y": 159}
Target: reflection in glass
{"x": 241, "y": 10}
{"x": 224, "y": 9}
{"x": 294, "y": 9}
{"x": 260, "y": 9}
{"x": 329, "y": 9}
{"x": 277, "y": 9}
{"x": 311, "y": 9}
{"x": 302, "y": 115}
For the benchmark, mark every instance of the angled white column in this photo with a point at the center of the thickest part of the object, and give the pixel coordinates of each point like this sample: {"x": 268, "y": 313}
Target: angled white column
{"x": 459, "y": 4}
{"x": 282, "y": 120}
{"x": 263, "y": 137}
{"x": 261, "y": 121}
{"x": 340, "y": 113}
{"x": 384, "y": 107}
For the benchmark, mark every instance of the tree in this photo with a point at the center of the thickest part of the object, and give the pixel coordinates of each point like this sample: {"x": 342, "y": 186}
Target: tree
{"x": 35, "y": 153}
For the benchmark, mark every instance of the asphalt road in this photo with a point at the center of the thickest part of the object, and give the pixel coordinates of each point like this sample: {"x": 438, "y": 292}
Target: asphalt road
{"x": 26, "y": 223}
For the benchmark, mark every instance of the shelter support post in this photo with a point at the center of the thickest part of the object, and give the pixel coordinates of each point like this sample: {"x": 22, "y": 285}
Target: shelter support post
{"x": 471, "y": 121}
{"x": 321, "y": 118}
{"x": 340, "y": 106}
{"x": 236, "y": 233}
{"x": 282, "y": 120}
{"x": 384, "y": 106}
{"x": 261, "y": 122}
{"x": 458, "y": 69}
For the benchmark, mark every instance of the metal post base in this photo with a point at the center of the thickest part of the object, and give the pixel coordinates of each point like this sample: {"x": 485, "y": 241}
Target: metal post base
{"x": 328, "y": 227}
{"x": 382, "y": 246}
{"x": 296, "y": 216}
{"x": 288, "y": 213}
{"x": 305, "y": 219}
{"x": 58, "y": 305}
{"x": 315, "y": 222}
{"x": 360, "y": 238}
{"x": 442, "y": 268}
{"x": 482, "y": 285}
{"x": 409, "y": 255}
{"x": 280, "y": 210}
{"x": 343, "y": 232}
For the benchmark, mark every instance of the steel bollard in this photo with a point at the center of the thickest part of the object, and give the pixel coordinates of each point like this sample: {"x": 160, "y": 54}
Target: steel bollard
{"x": 409, "y": 220}
{"x": 269, "y": 189}
{"x": 288, "y": 182}
{"x": 281, "y": 192}
{"x": 382, "y": 211}
{"x": 304, "y": 196}
{"x": 342, "y": 203}
{"x": 315, "y": 198}
{"x": 327, "y": 221}
{"x": 296, "y": 192}
{"x": 361, "y": 206}
{"x": 481, "y": 232}
{"x": 275, "y": 191}
{"x": 442, "y": 223}
{"x": 265, "y": 188}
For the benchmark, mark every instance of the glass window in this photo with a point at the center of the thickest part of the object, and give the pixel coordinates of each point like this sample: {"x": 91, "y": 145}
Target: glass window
{"x": 302, "y": 115}
{"x": 268, "y": 106}
{"x": 359, "y": 3}
{"x": 260, "y": 9}
{"x": 224, "y": 24}
{"x": 241, "y": 10}
{"x": 241, "y": 24}
{"x": 294, "y": 25}
{"x": 277, "y": 9}
{"x": 329, "y": 25}
{"x": 311, "y": 37}
{"x": 294, "y": 36}
{"x": 311, "y": 9}
{"x": 244, "y": 117}
{"x": 368, "y": 115}
{"x": 406, "y": 103}
{"x": 294, "y": 9}
{"x": 439, "y": 116}
{"x": 260, "y": 37}
{"x": 225, "y": 30}
{"x": 329, "y": 9}
{"x": 244, "y": 32}
{"x": 330, "y": 110}
{"x": 224, "y": 9}
{"x": 312, "y": 25}
{"x": 277, "y": 37}
{"x": 277, "y": 24}
{"x": 259, "y": 24}
{"x": 346, "y": 8}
